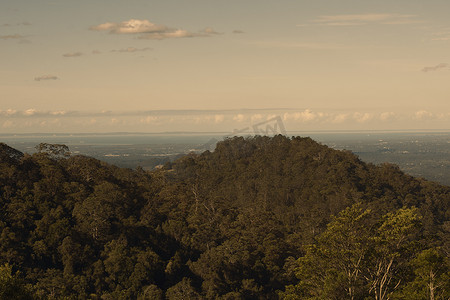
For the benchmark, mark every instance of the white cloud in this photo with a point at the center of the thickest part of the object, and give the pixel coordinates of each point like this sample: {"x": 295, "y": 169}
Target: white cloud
{"x": 149, "y": 120}
{"x": 148, "y": 30}
{"x": 46, "y": 77}
{"x": 58, "y": 113}
{"x": 239, "y": 118}
{"x": 423, "y": 115}
{"x": 29, "y": 112}
{"x": 438, "y": 67}
{"x": 8, "y": 112}
{"x": 256, "y": 118}
{"x": 271, "y": 116}
{"x": 339, "y": 118}
{"x": 362, "y": 117}
{"x": 11, "y": 112}
{"x": 386, "y": 116}
{"x": 304, "y": 116}
{"x": 307, "y": 115}
{"x": 204, "y": 119}
{"x": 177, "y": 33}
{"x": 130, "y": 26}
{"x": 219, "y": 118}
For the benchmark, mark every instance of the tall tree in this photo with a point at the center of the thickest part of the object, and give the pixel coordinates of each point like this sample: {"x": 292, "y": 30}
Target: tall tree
{"x": 356, "y": 256}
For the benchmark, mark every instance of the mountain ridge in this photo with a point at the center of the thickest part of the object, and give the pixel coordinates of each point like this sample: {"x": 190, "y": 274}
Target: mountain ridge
{"x": 225, "y": 224}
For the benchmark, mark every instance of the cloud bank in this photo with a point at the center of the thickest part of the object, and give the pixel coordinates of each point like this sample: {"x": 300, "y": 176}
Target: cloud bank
{"x": 239, "y": 115}
{"x": 226, "y": 121}
{"x": 31, "y": 112}
{"x": 145, "y": 29}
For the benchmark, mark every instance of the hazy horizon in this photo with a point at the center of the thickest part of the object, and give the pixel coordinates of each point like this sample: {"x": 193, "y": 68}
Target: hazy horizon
{"x": 164, "y": 66}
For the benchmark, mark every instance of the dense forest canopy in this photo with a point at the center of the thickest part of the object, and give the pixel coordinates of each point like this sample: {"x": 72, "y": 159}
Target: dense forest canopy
{"x": 257, "y": 218}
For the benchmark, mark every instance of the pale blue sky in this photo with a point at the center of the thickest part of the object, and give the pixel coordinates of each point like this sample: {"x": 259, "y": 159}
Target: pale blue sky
{"x": 71, "y": 66}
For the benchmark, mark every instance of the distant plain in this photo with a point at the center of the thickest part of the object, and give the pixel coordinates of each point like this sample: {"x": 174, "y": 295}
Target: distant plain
{"x": 421, "y": 154}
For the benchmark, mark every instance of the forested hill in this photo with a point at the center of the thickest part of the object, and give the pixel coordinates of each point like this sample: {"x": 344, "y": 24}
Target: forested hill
{"x": 258, "y": 218}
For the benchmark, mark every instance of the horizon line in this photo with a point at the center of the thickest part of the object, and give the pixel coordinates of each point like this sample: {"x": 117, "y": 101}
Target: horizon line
{"x": 228, "y": 132}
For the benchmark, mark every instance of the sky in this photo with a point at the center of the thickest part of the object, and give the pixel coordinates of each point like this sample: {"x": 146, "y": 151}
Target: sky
{"x": 210, "y": 65}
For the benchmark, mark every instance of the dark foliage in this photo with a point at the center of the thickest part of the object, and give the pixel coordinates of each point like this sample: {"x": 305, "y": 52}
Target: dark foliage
{"x": 228, "y": 224}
